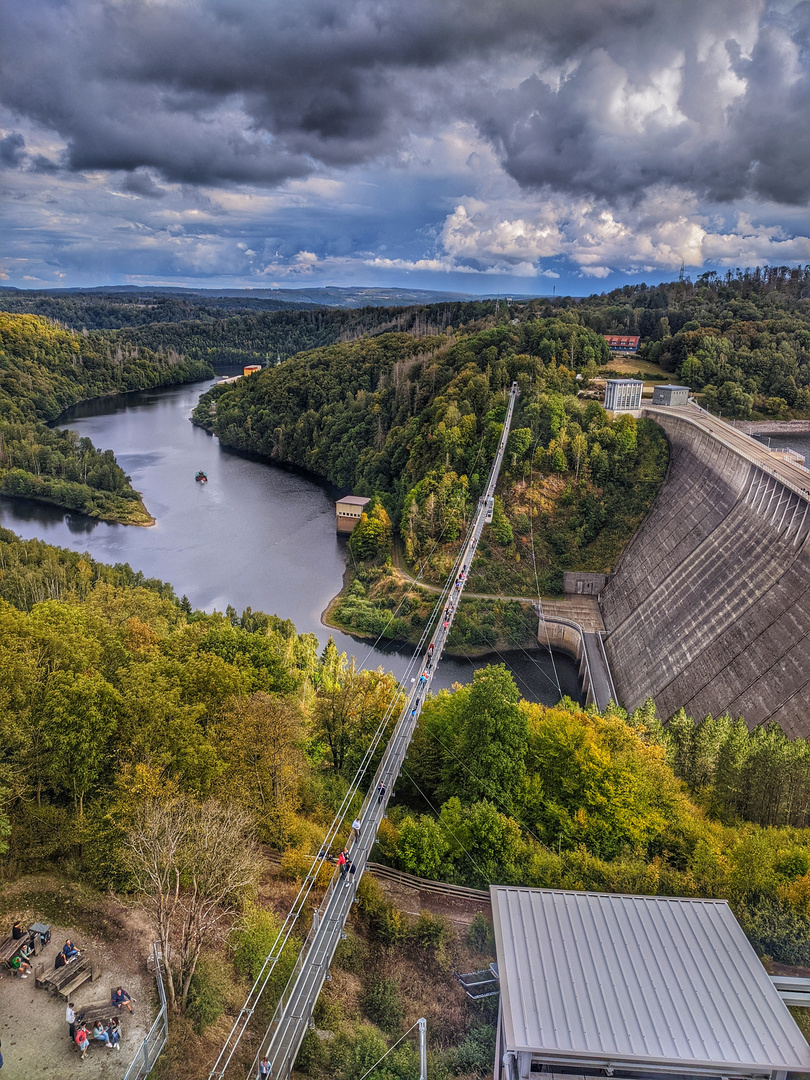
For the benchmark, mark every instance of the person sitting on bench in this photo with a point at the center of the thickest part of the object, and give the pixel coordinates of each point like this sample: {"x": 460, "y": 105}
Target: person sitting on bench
{"x": 70, "y": 951}
{"x": 100, "y": 1034}
{"x": 114, "y": 1032}
{"x": 20, "y": 966}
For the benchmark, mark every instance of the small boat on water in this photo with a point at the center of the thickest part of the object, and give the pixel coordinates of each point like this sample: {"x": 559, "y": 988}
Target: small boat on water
{"x": 201, "y": 478}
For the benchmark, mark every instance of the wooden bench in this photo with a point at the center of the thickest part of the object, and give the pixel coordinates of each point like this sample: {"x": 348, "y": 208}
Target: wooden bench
{"x": 80, "y": 977}
{"x": 98, "y": 1010}
{"x": 64, "y": 980}
{"x": 11, "y": 946}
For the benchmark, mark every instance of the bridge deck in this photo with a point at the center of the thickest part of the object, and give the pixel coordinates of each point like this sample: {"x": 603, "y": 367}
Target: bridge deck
{"x": 292, "y": 1019}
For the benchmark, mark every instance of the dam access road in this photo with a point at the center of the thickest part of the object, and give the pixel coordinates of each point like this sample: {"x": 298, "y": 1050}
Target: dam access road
{"x": 709, "y": 607}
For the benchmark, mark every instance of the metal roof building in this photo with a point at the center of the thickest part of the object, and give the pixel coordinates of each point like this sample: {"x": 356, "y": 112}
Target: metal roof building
{"x": 634, "y": 986}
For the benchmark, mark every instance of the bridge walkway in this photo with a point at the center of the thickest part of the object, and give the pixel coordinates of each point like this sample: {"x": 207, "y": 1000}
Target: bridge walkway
{"x": 293, "y": 1015}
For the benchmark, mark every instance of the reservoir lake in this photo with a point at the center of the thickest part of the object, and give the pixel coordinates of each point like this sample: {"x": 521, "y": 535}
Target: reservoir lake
{"x": 256, "y": 535}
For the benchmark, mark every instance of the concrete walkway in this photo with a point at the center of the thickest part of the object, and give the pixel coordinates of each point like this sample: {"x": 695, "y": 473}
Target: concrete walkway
{"x": 793, "y": 476}
{"x": 602, "y": 689}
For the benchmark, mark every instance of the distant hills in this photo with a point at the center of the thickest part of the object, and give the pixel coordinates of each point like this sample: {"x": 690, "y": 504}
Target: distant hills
{"x": 328, "y": 296}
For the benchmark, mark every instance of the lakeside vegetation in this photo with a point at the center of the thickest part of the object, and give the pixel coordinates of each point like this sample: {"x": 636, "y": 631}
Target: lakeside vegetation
{"x": 43, "y": 371}
{"x": 415, "y": 423}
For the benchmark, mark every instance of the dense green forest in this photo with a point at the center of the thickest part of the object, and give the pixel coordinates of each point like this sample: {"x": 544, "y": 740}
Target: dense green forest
{"x": 115, "y": 694}
{"x": 43, "y": 370}
{"x": 111, "y": 311}
{"x": 742, "y": 340}
{"x": 416, "y": 421}
{"x": 268, "y": 338}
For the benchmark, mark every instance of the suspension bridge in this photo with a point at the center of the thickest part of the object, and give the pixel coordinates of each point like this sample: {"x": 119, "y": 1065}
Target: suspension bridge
{"x": 293, "y": 1014}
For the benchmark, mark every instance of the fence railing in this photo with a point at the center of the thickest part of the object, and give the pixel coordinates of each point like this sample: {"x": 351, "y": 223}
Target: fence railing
{"x": 152, "y": 1046}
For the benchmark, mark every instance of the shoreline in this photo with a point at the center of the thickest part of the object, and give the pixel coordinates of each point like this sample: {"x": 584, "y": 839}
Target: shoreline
{"x": 473, "y": 652}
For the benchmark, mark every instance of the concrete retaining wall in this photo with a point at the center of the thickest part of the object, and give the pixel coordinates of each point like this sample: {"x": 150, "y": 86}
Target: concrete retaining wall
{"x": 567, "y": 637}
{"x": 709, "y": 608}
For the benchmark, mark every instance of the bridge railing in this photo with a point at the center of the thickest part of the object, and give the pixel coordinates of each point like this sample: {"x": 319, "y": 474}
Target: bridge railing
{"x": 158, "y": 1035}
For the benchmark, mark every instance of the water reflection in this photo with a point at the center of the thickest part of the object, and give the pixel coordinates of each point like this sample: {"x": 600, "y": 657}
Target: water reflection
{"x": 255, "y": 535}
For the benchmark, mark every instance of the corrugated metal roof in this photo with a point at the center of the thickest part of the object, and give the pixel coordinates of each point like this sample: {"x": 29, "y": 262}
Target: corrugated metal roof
{"x": 650, "y": 979}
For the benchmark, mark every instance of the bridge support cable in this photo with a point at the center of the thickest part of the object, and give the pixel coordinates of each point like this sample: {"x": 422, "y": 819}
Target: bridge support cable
{"x": 293, "y": 1014}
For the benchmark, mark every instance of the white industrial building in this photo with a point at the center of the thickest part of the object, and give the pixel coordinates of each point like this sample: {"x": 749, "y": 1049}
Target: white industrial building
{"x": 623, "y": 395}
{"x": 641, "y": 987}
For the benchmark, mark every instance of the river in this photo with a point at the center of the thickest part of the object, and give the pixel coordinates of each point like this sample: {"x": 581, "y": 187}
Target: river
{"x": 255, "y": 535}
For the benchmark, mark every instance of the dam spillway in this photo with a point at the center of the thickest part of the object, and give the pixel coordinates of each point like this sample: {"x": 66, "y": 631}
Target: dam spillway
{"x": 709, "y": 607}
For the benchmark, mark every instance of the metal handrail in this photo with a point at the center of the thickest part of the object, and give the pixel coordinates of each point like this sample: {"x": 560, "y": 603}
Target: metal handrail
{"x": 158, "y": 1035}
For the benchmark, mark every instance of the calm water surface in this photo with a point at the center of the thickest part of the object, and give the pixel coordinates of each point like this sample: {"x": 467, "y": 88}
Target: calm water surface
{"x": 798, "y": 442}
{"x": 255, "y": 535}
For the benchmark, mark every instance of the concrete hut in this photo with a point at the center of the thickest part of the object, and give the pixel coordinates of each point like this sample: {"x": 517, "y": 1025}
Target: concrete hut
{"x": 670, "y": 394}
{"x": 598, "y": 984}
{"x": 348, "y": 511}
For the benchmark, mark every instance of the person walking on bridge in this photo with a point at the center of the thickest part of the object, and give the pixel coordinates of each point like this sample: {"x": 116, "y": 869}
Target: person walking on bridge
{"x": 265, "y": 1070}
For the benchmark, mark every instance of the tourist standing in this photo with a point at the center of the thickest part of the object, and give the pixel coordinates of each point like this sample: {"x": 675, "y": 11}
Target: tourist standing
{"x": 70, "y": 1018}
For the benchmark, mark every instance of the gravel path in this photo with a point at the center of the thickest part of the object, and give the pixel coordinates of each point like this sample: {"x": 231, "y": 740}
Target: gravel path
{"x": 32, "y": 1021}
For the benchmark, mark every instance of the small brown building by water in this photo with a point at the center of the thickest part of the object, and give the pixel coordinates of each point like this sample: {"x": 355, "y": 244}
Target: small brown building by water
{"x": 348, "y": 511}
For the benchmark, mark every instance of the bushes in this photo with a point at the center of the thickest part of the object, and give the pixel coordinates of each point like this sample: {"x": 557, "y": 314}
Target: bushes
{"x": 208, "y": 993}
{"x": 475, "y": 1056}
{"x": 776, "y": 930}
{"x": 252, "y": 939}
{"x": 382, "y": 1005}
{"x": 351, "y": 955}
{"x": 481, "y": 935}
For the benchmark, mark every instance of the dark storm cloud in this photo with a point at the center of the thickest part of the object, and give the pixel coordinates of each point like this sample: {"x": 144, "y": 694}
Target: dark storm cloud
{"x": 141, "y": 183}
{"x": 12, "y": 150}
{"x": 583, "y": 137}
{"x": 625, "y": 93}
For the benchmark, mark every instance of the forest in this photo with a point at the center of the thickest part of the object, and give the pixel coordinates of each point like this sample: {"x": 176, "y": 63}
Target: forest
{"x": 44, "y": 370}
{"x": 111, "y": 310}
{"x": 415, "y": 422}
{"x": 741, "y": 340}
{"x": 128, "y": 715}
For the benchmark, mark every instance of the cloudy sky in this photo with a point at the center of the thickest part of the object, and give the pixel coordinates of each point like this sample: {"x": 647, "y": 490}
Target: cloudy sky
{"x": 473, "y": 145}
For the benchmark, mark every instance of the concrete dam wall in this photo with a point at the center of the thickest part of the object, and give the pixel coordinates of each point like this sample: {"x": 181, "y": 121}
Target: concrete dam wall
{"x": 709, "y": 608}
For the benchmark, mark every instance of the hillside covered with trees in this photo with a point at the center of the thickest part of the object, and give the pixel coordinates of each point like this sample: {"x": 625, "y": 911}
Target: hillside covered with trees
{"x": 126, "y": 716}
{"x": 415, "y": 421}
{"x": 742, "y": 340}
{"x": 44, "y": 370}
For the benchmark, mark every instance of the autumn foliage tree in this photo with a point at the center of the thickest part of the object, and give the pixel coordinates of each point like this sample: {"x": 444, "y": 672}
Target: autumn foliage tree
{"x": 193, "y": 863}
